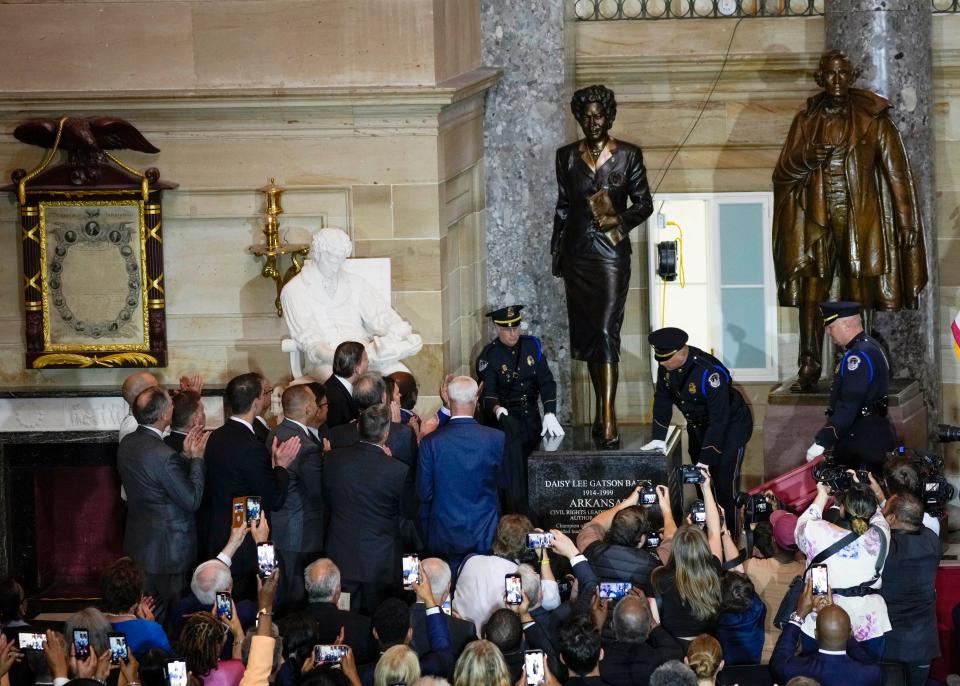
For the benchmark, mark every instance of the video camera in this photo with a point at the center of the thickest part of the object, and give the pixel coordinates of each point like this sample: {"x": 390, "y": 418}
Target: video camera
{"x": 935, "y": 490}
{"x": 756, "y": 507}
{"x": 836, "y": 476}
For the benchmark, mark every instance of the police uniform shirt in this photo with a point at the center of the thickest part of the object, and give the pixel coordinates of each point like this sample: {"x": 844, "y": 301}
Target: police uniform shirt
{"x": 860, "y": 381}
{"x": 515, "y": 376}
{"x": 701, "y": 389}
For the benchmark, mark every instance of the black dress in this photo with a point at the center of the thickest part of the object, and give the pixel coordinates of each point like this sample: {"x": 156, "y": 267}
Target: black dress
{"x": 595, "y": 272}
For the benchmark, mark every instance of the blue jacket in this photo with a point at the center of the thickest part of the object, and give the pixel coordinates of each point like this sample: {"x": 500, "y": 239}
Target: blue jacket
{"x": 829, "y": 670}
{"x": 741, "y": 634}
{"x": 461, "y": 469}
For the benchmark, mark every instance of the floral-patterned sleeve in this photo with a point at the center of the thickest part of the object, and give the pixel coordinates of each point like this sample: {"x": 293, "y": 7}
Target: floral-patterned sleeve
{"x": 812, "y": 514}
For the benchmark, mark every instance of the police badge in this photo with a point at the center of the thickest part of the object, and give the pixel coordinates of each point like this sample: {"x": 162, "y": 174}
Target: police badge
{"x": 530, "y": 360}
{"x": 853, "y": 362}
{"x": 692, "y": 388}
{"x": 714, "y": 380}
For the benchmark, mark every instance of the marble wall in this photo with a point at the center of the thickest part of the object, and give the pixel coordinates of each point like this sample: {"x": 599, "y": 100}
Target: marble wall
{"x": 368, "y": 112}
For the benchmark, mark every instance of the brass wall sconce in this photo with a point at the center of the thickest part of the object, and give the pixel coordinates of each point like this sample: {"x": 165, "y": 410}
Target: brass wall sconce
{"x": 273, "y": 250}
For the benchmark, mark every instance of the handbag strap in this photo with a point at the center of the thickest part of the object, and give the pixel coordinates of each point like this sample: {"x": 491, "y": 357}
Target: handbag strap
{"x": 835, "y": 547}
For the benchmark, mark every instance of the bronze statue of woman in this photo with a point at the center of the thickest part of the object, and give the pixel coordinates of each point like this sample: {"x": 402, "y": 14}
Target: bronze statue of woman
{"x": 590, "y": 247}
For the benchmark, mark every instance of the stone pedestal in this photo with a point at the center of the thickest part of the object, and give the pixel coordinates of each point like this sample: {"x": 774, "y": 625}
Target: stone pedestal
{"x": 890, "y": 41}
{"x": 569, "y": 485}
{"x": 792, "y": 420}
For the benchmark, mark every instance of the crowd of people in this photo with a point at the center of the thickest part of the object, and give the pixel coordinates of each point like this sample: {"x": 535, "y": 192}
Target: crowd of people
{"x": 354, "y": 543}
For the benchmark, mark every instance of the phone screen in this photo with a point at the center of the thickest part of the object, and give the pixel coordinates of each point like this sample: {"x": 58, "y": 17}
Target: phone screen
{"x": 446, "y": 607}
{"x": 614, "y": 589}
{"x": 81, "y": 644}
{"x": 118, "y": 649}
{"x": 514, "y": 589}
{"x": 411, "y": 570}
{"x": 28, "y": 640}
{"x": 533, "y": 666}
{"x": 539, "y": 539}
{"x": 266, "y": 562}
{"x": 819, "y": 576}
{"x": 224, "y": 607}
{"x": 253, "y": 508}
{"x": 177, "y": 673}
{"x": 329, "y": 653}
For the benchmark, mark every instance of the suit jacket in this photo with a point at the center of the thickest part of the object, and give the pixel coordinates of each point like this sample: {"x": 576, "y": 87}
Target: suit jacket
{"x": 626, "y": 664}
{"x": 356, "y": 629}
{"x": 363, "y": 487}
{"x": 238, "y": 464}
{"x": 261, "y": 429}
{"x": 401, "y": 441}
{"x": 829, "y": 670}
{"x": 175, "y": 440}
{"x": 438, "y": 661}
{"x": 460, "y": 630}
{"x": 163, "y": 491}
{"x": 341, "y": 407}
{"x": 461, "y": 469}
{"x": 909, "y": 588}
{"x": 298, "y": 525}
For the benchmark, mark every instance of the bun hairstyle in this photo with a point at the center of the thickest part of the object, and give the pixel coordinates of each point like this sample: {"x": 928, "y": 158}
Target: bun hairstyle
{"x": 704, "y": 656}
{"x": 860, "y": 504}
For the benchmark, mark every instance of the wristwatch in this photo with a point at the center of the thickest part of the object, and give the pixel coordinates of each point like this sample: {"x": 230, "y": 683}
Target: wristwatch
{"x": 795, "y": 618}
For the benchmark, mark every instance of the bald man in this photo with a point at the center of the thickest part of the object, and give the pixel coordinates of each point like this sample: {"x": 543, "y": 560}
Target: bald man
{"x": 831, "y": 664}
{"x": 133, "y": 385}
{"x": 297, "y": 527}
{"x": 640, "y": 644}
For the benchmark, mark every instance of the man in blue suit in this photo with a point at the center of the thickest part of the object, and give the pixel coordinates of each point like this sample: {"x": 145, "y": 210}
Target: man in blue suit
{"x": 832, "y": 664}
{"x": 460, "y": 473}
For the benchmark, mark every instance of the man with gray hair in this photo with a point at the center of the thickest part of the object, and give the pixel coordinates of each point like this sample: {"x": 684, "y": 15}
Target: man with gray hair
{"x": 461, "y": 632}
{"x": 461, "y": 472}
{"x": 322, "y": 582}
{"x": 673, "y": 673}
{"x": 640, "y": 645}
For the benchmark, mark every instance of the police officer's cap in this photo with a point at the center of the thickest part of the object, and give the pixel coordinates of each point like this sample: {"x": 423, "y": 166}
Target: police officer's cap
{"x": 667, "y": 342}
{"x": 838, "y": 309}
{"x": 507, "y": 316}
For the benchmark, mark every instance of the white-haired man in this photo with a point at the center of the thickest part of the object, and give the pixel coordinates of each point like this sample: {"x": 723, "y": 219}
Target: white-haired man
{"x": 461, "y": 631}
{"x": 322, "y": 581}
{"x": 325, "y": 305}
{"x": 461, "y": 471}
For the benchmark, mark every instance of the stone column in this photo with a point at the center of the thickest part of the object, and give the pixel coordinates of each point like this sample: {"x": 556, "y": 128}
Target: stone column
{"x": 890, "y": 40}
{"x": 524, "y": 124}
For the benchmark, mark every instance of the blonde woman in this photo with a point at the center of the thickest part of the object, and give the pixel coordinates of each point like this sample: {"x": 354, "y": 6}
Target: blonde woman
{"x": 687, "y": 588}
{"x": 705, "y": 659}
{"x": 481, "y": 664}
{"x": 398, "y": 665}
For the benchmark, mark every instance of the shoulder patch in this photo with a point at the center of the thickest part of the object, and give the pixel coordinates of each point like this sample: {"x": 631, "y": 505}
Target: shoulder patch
{"x": 853, "y": 362}
{"x": 714, "y": 380}
{"x": 482, "y": 364}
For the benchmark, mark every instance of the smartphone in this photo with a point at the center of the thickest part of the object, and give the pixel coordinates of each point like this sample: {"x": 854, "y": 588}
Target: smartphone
{"x": 653, "y": 540}
{"x": 29, "y": 640}
{"x": 176, "y": 673}
{"x": 818, "y": 573}
{"x": 81, "y": 644}
{"x": 118, "y": 649}
{"x": 539, "y": 540}
{"x": 253, "y": 509}
{"x": 699, "y": 512}
{"x": 533, "y": 666}
{"x": 446, "y": 607}
{"x": 266, "y": 560}
{"x": 329, "y": 654}
{"x": 513, "y": 588}
{"x": 239, "y": 512}
{"x": 411, "y": 570}
{"x": 614, "y": 589}
{"x": 648, "y": 493}
{"x": 691, "y": 474}
{"x": 224, "y": 606}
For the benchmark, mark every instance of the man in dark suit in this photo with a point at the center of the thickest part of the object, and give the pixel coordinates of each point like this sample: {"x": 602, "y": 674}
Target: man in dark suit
{"x": 831, "y": 665}
{"x": 298, "y": 526}
{"x": 238, "y": 464}
{"x": 188, "y": 412}
{"x": 640, "y": 646}
{"x": 461, "y": 471}
{"x": 322, "y": 581}
{"x": 437, "y": 573}
{"x": 349, "y": 362}
{"x": 164, "y": 489}
{"x": 260, "y": 426}
{"x": 363, "y": 487}
{"x": 909, "y": 578}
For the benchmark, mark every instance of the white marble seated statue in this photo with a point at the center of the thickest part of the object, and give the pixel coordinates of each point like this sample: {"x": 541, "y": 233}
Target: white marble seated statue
{"x": 325, "y": 305}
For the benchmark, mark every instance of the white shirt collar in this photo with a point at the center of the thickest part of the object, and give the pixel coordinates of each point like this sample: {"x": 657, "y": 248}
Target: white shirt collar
{"x": 263, "y": 421}
{"x": 347, "y": 384}
{"x": 462, "y": 416}
{"x": 153, "y": 429}
{"x": 833, "y": 652}
{"x": 305, "y": 428}
{"x": 245, "y": 423}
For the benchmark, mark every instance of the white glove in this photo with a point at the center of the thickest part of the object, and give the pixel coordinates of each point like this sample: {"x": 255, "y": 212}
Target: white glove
{"x": 655, "y": 445}
{"x": 551, "y": 427}
{"x": 501, "y": 412}
{"x": 814, "y": 451}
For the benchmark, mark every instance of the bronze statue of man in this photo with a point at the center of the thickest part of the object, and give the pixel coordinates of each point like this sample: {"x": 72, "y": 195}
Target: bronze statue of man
{"x": 844, "y": 204}
{"x": 596, "y": 176}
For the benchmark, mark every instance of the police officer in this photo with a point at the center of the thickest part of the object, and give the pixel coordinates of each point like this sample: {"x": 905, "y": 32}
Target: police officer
{"x": 514, "y": 372}
{"x": 857, "y": 429}
{"x": 718, "y": 420}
